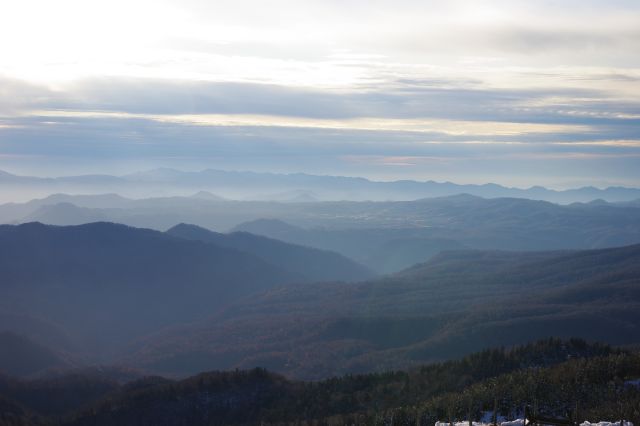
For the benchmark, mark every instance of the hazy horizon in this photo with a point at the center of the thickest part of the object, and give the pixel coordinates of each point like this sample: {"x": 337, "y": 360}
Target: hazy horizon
{"x": 131, "y": 172}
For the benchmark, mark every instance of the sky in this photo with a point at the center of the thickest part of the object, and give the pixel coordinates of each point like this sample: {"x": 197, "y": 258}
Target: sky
{"x": 515, "y": 92}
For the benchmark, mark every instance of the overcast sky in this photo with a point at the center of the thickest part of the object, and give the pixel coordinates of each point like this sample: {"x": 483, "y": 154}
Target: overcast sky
{"x": 514, "y": 92}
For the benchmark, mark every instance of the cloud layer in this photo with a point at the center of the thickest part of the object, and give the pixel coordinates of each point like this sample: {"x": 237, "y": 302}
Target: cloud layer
{"x": 512, "y": 91}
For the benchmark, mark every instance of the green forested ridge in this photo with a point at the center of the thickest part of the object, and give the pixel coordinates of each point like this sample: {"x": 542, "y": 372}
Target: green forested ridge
{"x": 553, "y": 375}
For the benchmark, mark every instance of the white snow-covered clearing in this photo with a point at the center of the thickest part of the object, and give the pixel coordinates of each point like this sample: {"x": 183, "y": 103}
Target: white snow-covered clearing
{"x": 520, "y": 422}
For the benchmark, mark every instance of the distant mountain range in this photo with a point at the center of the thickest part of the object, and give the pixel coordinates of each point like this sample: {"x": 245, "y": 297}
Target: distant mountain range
{"x": 394, "y": 235}
{"x": 384, "y": 250}
{"x": 297, "y": 187}
{"x": 384, "y": 236}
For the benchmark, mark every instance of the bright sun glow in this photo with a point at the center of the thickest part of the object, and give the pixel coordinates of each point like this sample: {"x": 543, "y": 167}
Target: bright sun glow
{"x": 69, "y": 39}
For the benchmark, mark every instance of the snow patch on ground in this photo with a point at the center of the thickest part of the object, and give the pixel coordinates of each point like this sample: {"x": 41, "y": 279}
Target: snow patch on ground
{"x": 606, "y": 424}
{"x": 520, "y": 422}
{"x": 501, "y": 422}
{"x": 487, "y": 417}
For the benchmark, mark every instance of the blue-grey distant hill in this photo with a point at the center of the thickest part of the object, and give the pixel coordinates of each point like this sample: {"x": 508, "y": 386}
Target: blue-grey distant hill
{"x": 384, "y": 236}
{"x": 395, "y": 235}
{"x": 298, "y": 187}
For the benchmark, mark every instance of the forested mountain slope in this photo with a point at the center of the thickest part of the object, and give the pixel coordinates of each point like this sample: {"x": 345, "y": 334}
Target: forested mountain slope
{"x": 552, "y": 375}
{"x": 106, "y": 284}
{"x": 454, "y": 304}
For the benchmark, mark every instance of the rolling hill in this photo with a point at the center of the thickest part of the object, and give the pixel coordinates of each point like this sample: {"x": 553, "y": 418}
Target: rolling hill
{"x": 106, "y": 284}
{"x": 456, "y": 303}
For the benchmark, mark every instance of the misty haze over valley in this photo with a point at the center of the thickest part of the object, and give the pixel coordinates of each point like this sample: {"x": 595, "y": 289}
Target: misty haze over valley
{"x": 116, "y": 288}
